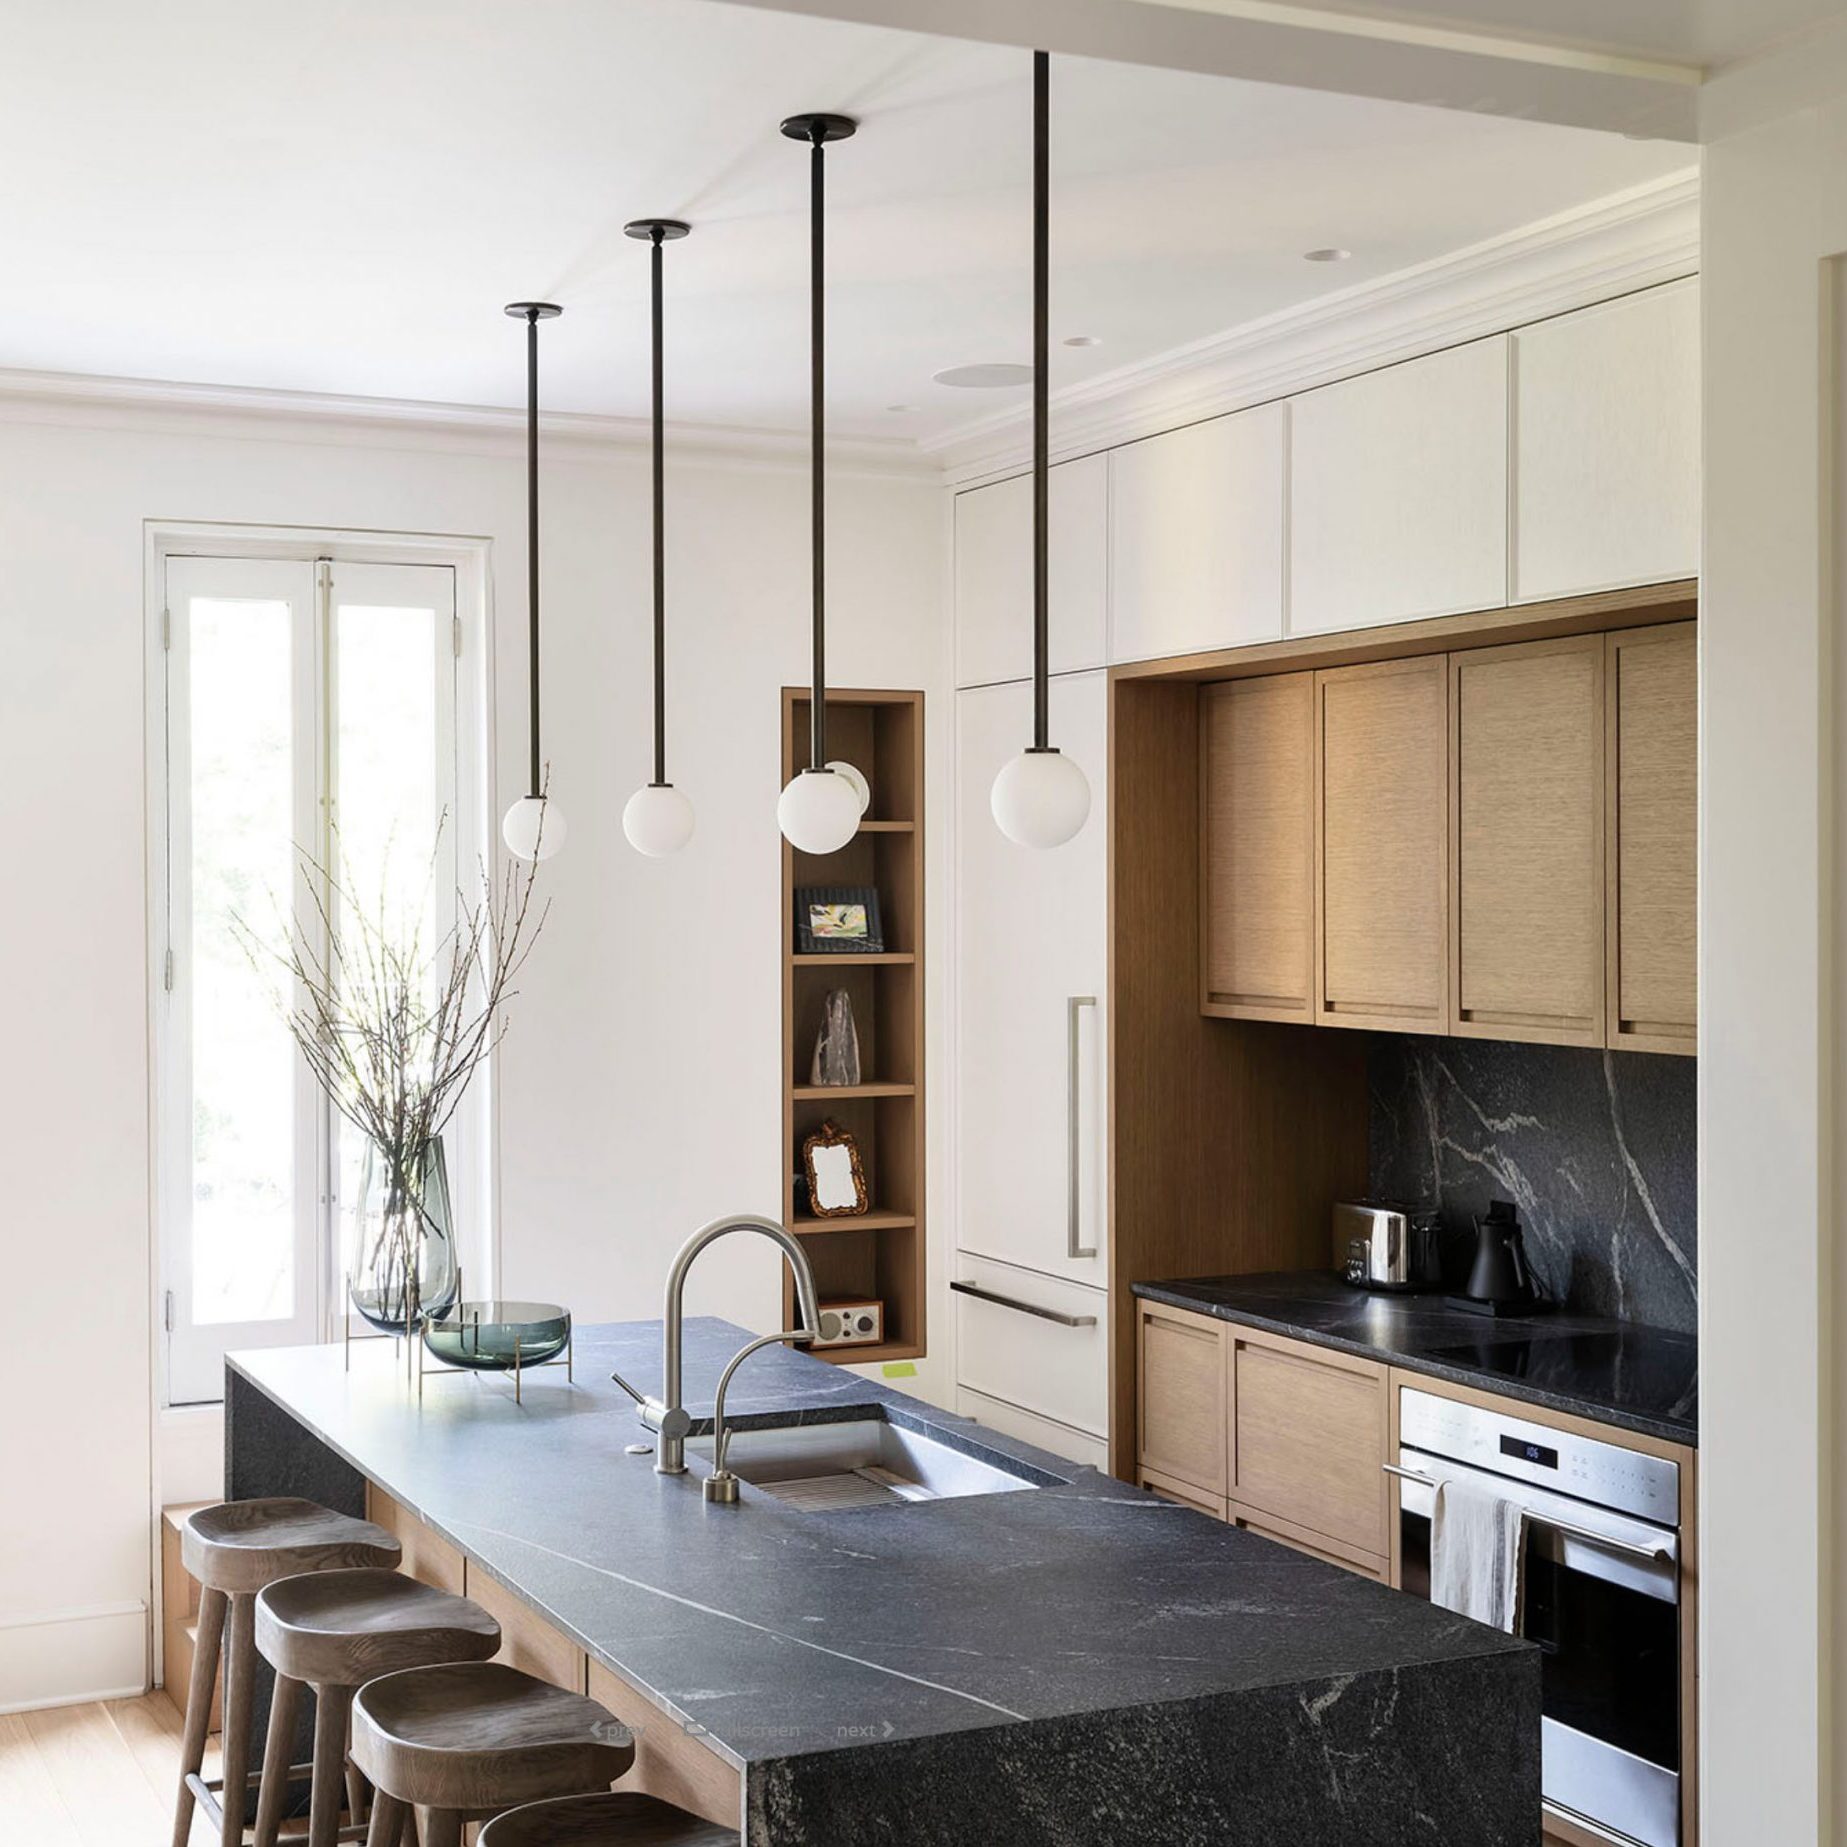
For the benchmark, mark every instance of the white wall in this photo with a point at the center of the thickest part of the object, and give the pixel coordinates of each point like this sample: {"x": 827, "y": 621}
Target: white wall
{"x": 1775, "y": 221}
{"x": 639, "y": 1086}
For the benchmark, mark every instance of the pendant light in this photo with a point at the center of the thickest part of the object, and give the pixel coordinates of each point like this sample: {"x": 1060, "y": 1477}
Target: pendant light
{"x": 533, "y": 827}
{"x": 820, "y": 809}
{"x": 1041, "y": 798}
{"x": 658, "y": 819}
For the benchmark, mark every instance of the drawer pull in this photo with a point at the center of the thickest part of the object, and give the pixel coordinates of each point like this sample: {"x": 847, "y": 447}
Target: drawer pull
{"x": 1025, "y": 1308}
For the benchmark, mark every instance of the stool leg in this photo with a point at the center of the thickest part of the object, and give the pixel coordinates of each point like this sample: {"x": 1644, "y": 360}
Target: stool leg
{"x": 239, "y": 1672}
{"x": 355, "y": 1785}
{"x": 199, "y": 1704}
{"x": 387, "y": 1820}
{"x": 277, "y": 1751}
{"x": 333, "y": 1707}
{"x": 442, "y": 1828}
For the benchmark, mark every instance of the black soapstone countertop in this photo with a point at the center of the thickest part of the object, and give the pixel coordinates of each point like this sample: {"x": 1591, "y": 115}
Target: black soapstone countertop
{"x": 782, "y": 1635}
{"x": 1634, "y": 1378}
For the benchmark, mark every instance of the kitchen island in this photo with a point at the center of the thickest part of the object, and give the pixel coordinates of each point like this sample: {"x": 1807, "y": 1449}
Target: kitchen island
{"x": 1074, "y": 1662}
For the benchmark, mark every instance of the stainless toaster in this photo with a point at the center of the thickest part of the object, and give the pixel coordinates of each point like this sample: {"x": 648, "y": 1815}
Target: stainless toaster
{"x": 1381, "y": 1245}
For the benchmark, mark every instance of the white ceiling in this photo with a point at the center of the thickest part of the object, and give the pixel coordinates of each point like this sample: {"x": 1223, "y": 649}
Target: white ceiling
{"x": 339, "y": 195}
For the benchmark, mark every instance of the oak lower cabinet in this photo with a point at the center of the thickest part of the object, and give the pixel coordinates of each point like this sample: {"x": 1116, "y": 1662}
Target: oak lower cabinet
{"x": 1382, "y": 869}
{"x": 1257, "y": 847}
{"x": 1651, "y": 708}
{"x": 1286, "y": 1439}
{"x": 1526, "y": 841}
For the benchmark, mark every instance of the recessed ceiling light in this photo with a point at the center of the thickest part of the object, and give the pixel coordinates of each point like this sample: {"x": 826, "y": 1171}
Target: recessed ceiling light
{"x": 1328, "y": 253}
{"x": 1083, "y": 339}
{"x": 897, "y": 409}
{"x": 989, "y": 377}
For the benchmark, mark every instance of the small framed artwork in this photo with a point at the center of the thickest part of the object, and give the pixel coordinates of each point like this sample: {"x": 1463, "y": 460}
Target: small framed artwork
{"x": 838, "y": 920}
{"x": 835, "y": 1174}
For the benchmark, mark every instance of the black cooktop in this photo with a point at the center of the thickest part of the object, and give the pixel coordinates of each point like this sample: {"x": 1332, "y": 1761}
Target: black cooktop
{"x": 1649, "y": 1370}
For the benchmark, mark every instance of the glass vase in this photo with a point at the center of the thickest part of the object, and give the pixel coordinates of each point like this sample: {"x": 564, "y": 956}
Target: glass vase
{"x": 404, "y": 1246}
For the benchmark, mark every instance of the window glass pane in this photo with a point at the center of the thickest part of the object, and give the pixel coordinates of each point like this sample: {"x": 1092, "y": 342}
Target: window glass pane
{"x": 388, "y": 800}
{"x": 243, "y": 1061}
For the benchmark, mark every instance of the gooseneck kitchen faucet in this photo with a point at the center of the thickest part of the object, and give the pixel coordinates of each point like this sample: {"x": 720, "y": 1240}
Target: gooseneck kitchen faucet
{"x": 666, "y": 1415}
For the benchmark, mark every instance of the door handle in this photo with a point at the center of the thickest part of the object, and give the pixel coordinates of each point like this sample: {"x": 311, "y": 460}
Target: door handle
{"x": 1074, "y": 1228}
{"x": 1025, "y": 1308}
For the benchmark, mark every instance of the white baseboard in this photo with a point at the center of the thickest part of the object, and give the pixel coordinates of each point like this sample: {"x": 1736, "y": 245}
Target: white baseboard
{"x": 67, "y": 1657}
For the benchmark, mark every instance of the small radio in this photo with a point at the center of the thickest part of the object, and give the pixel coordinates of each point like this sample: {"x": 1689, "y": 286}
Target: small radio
{"x": 851, "y": 1323}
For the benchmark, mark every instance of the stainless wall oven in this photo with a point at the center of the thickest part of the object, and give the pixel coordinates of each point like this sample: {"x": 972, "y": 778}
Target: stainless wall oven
{"x": 1602, "y": 1599}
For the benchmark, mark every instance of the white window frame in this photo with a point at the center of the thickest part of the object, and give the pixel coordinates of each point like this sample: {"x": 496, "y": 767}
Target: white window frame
{"x": 474, "y": 1169}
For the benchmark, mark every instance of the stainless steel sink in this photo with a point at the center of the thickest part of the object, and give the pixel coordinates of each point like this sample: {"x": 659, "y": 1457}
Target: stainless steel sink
{"x": 826, "y": 1468}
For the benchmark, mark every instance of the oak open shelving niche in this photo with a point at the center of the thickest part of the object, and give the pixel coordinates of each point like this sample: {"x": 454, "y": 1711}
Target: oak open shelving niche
{"x": 878, "y": 1253}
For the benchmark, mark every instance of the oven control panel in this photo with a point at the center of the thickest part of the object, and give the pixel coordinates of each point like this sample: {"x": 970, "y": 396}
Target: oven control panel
{"x": 1604, "y": 1473}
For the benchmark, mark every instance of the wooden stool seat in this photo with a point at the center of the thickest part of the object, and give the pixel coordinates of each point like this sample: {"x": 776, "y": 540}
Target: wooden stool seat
{"x": 622, "y": 1818}
{"x": 343, "y": 1628}
{"x": 234, "y": 1550}
{"x": 239, "y": 1546}
{"x": 478, "y": 1737}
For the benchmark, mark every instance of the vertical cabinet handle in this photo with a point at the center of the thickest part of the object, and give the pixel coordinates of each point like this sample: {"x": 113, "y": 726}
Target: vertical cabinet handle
{"x": 1074, "y": 1006}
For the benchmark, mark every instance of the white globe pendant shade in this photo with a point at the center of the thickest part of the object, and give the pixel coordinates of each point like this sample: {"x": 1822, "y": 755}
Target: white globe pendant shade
{"x": 819, "y": 811}
{"x": 1040, "y": 798}
{"x": 861, "y": 787}
{"x": 533, "y": 828}
{"x": 658, "y": 820}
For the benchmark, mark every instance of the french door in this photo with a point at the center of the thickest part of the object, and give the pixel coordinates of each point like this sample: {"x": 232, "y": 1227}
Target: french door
{"x": 311, "y": 756}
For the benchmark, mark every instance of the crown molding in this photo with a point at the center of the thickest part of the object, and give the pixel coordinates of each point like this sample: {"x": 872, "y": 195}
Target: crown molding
{"x": 256, "y": 414}
{"x": 1630, "y": 240}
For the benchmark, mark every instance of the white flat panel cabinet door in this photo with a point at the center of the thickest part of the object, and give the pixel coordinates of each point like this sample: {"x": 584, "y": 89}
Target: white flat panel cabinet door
{"x": 1398, "y": 493}
{"x": 1031, "y": 959}
{"x": 1607, "y": 446}
{"x": 994, "y": 574}
{"x": 1196, "y": 537}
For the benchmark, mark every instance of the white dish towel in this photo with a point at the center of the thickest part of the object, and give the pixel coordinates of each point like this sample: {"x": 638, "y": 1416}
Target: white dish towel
{"x": 1477, "y": 1554}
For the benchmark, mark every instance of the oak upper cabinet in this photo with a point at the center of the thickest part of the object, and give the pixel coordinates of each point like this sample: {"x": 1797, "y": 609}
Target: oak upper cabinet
{"x": 1398, "y": 492}
{"x": 1308, "y": 1445}
{"x": 1032, "y": 962}
{"x": 1382, "y": 877}
{"x": 1607, "y": 446}
{"x": 1196, "y": 537}
{"x": 1257, "y": 867}
{"x": 1651, "y": 698}
{"x": 1526, "y": 841}
{"x": 994, "y": 573}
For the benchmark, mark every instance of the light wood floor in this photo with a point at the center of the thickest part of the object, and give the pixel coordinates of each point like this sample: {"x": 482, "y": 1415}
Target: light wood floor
{"x": 103, "y": 1775}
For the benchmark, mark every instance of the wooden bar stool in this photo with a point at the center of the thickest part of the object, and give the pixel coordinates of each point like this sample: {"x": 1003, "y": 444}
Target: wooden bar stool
{"x": 234, "y": 1549}
{"x": 622, "y": 1818}
{"x": 333, "y": 1631}
{"x": 463, "y": 1743}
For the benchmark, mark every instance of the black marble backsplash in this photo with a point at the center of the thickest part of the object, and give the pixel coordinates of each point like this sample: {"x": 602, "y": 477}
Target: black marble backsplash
{"x": 1596, "y": 1149}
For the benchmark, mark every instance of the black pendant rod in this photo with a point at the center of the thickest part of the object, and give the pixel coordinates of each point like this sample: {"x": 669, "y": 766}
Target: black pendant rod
{"x": 658, "y": 231}
{"x": 532, "y": 313}
{"x": 1042, "y": 289}
{"x": 817, "y": 131}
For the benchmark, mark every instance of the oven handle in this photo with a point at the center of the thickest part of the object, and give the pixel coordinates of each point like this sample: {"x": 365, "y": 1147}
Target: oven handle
{"x": 1656, "y": 1555}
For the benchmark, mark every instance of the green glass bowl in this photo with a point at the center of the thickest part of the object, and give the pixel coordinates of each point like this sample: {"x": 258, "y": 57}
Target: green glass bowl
{"x": 496, "y": 1336}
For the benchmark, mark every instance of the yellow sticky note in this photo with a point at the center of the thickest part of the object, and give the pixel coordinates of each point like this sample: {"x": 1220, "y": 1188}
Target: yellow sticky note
{"x": 900, "y": 1369}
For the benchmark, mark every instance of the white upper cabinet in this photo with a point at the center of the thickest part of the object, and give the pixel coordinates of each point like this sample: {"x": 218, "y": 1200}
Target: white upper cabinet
{"x": 1196, "y": 537}
{"x": 1398, "y": 493}
{"x": 1607, "y": 446}
{"x": 994, "y": 573}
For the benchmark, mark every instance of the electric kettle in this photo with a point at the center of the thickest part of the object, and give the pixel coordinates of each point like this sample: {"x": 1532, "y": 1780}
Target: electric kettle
{"x": 1501, "y": 1280}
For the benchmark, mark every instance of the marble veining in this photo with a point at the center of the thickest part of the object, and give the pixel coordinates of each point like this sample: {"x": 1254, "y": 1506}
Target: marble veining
{"x": 1596, "y": 1148}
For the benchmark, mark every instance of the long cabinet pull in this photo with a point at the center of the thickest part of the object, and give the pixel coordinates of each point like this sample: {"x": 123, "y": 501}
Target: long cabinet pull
{"x": 1654, "y": 1554}
{"x": 1074, "y": 1006}
{"x": 1025, "y": 1308}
